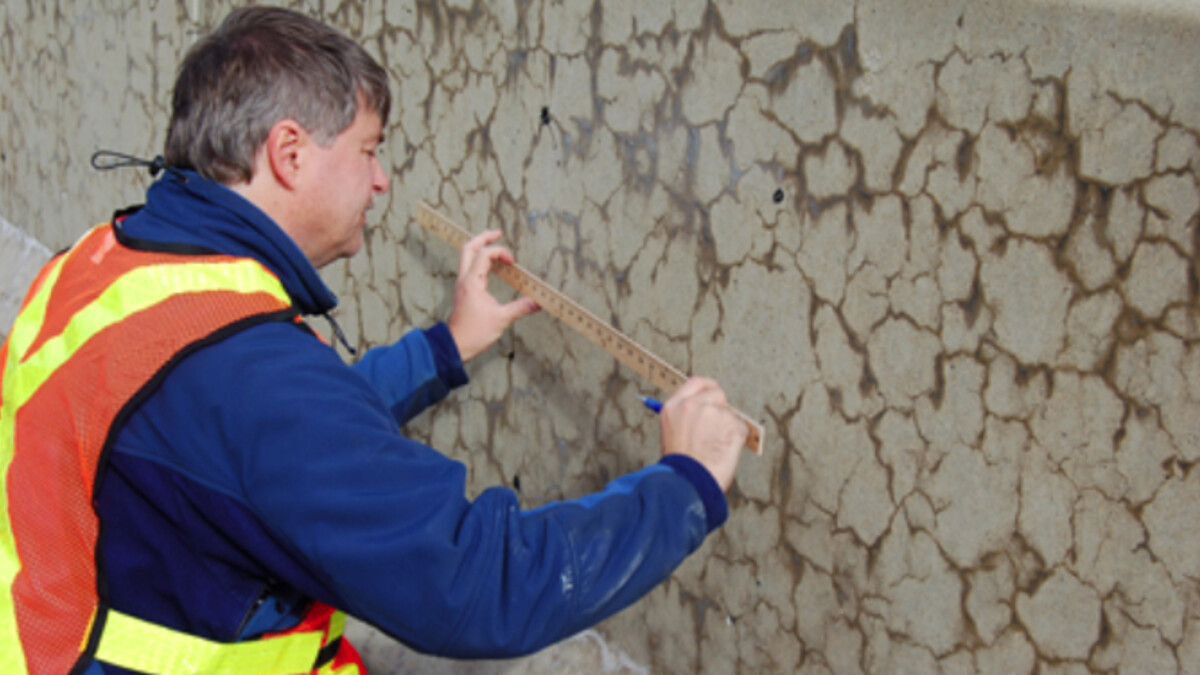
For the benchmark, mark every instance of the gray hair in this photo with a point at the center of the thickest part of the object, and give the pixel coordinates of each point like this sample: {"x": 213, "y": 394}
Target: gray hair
{"x": 262, "y": 65}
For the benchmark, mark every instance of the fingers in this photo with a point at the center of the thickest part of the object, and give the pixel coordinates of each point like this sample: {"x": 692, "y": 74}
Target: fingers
{"x": 695, "y": 385}
{"x": 487, "y": 259}
{"x": 478, "y": 318}
{"x": 701, "y": 390}
{"x": 471, "y": 249}
{"x": 737, "y": 428}
{"x": 520, "y": 307}
{"x": 482, "y": 263}
{"x": 714, "y": 395}
{"x": 697, "y": 393}
{"x": 698, "y": 422}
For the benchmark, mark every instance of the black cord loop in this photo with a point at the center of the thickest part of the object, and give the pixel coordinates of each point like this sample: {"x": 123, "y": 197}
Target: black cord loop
{"x": 341, "y": 337}
{"x": 107, "y": 160}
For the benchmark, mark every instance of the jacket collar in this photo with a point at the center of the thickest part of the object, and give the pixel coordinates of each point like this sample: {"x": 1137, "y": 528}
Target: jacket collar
{"x": 183, "y": 207}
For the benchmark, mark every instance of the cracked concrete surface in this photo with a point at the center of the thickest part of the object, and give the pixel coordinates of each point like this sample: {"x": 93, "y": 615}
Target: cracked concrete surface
{"x": 946, "y": 252}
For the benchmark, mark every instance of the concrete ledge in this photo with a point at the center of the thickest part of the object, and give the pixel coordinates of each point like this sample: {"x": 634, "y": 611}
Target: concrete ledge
{"x": 587, "y": 653}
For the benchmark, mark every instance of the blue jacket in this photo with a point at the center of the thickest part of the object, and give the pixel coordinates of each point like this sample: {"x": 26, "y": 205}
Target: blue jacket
{"x": 264, "y": 472}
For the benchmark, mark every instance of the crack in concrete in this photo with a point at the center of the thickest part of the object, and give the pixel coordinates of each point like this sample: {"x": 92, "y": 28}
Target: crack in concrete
{"x": 957, "y": 276}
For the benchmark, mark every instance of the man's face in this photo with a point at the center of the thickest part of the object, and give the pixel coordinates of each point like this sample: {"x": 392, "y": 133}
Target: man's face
{"x": 340, "y": 187}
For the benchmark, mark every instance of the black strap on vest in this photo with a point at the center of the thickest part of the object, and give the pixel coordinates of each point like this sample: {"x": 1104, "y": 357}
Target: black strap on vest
{"x": 327, "y": 652}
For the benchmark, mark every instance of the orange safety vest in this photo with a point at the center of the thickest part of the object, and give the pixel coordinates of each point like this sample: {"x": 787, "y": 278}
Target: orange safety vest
{"x": 101, "y": 326}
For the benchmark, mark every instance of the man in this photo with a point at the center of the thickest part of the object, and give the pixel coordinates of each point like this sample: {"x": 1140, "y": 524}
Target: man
{"x": 194, "y": 480}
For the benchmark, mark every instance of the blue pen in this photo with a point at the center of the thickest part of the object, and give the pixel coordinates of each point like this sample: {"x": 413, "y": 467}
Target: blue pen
{"x": 651, "y": 403}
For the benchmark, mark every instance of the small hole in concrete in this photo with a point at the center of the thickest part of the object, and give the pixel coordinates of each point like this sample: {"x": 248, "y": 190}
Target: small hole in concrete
{"x": 545, "y": 116}
{"x": 778, "y": 196}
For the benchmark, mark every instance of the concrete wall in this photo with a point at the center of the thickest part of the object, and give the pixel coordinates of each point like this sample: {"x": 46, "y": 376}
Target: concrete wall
{"x": 945, "y": 250}
{"x": 21, "y": 256}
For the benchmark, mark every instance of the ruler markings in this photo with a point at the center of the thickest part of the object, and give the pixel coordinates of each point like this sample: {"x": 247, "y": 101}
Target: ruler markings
{"x": 657, "y": 371}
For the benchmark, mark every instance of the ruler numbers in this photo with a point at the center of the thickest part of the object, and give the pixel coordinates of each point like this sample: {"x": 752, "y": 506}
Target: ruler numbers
{"x": 623, "y": 348}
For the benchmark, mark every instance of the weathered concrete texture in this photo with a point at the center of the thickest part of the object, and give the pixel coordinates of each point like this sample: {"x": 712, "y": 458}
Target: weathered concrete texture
{"x": 21, "y": 256}
{"x": 946, "y": 251}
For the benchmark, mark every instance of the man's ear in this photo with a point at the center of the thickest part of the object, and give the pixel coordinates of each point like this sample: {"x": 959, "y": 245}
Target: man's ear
{"x": 285, "y": 145}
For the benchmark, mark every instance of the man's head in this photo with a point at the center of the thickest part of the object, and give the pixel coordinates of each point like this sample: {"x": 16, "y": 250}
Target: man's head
{"x": 289, "y": 113}
{"x": 262, "y": 65}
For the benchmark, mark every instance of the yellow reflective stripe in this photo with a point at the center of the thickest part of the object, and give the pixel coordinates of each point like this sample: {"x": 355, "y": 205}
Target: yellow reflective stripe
{"x": 24, "y": 331}
{"x": 138, "y": 289}
{"x": 337, "y": 625}
{"x": 29, "y": 321}
{"x": 139, "y": 645}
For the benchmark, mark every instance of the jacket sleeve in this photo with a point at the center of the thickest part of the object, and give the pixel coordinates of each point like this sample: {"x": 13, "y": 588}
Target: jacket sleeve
{"x": 415, "y": 372}
{"x": 386, "y": 522}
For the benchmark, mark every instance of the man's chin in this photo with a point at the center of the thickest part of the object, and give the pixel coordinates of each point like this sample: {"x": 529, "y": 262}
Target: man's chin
{"x": 347, "y": 252}
{"x": 357, "y": 244}
{"x": 352, "y": 250}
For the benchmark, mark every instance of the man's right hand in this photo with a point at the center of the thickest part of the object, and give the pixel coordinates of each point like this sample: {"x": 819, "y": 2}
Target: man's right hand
{"x": 478, "y": 318}
{"x": 698, "y": 422}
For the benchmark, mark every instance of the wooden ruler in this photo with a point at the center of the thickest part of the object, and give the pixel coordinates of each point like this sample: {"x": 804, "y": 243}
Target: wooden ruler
{"x": 661, "y": 374}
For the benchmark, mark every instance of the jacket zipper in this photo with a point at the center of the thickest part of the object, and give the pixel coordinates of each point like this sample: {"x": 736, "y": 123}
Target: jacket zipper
{"x": 263, "y": 594}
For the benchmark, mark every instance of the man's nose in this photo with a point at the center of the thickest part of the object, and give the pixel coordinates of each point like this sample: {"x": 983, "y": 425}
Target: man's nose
{"x": 381, "y": 183}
